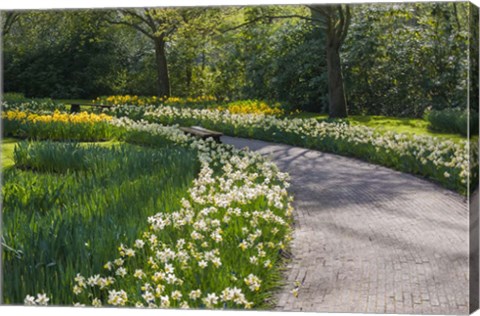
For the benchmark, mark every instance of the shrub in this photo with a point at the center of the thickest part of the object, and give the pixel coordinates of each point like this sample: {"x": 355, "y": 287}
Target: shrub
{"x": 453, "y": 120}
{"x": 17, "y": 101}
{"x": 14, "y": 97}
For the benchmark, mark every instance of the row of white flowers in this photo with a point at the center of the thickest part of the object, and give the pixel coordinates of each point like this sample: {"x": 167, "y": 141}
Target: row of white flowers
{"x": 443, "y": 160}
{"x": 218, "y": 250}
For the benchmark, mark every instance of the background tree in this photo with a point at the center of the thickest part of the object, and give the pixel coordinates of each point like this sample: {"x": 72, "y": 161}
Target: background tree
{"x": 384, "y": 59}
{"x": 331, "y": 22}
{"x": 159, "y": 25}
{"x": 191, "y": 52}
{"x": 278, "y": 48}
{"x": 336, "y": 19}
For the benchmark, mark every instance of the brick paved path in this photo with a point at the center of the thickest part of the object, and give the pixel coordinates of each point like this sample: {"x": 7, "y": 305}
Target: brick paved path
{"x": 369, "y": 239}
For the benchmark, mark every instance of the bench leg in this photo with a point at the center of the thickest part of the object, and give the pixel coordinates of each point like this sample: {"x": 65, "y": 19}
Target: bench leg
{"x": 75, "y": 108}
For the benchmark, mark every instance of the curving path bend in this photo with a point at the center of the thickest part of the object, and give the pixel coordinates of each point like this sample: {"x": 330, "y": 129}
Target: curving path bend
{"x": 370, "y": 239}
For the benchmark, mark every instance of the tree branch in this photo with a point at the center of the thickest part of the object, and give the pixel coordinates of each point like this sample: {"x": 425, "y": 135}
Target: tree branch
{"x": 151, "y": 21}
{"x": 138, "y": 28}
{"x": 346, "y": 24}
{"x": 271, "y": 17}
{"x": 135, "y": 15}
{"x": 169, "y": 31}
{"x": 319, "y": 11}
{"x": 341, "y": 22}
{"x": 10, "y": 19}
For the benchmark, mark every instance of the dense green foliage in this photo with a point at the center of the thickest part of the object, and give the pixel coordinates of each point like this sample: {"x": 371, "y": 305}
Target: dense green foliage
{"x": 60, "y": 54}
{"x": 453, "y": 120}
{"x": 72, "y": 205}
{"x": 398, "y": 59}
{"x": 417, "y": 58}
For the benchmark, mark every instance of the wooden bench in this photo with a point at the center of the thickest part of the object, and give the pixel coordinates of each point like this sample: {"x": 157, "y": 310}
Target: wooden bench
{"x": 202, "y": 133}
{"x": 75, "y": 107}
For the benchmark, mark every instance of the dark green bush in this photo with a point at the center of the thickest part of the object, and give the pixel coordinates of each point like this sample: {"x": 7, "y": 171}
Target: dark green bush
{"x": 18, "y": 101}
{"x": 453, "y": 120}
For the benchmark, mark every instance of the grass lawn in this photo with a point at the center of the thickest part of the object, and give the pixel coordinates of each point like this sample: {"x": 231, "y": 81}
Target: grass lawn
{"x": 68, "y": 208}
{"x": 8, "y": 145}
{"x": 386, "y": 123}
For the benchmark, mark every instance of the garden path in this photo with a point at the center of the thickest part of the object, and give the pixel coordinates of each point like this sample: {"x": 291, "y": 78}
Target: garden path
{"x": 370, "y": 239}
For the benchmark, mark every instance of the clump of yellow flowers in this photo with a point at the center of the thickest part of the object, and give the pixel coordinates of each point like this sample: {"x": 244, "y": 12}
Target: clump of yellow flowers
{"x": 82, "y": 126}
{"x": 252, "y": 107}
{"x": 57, "y": 116}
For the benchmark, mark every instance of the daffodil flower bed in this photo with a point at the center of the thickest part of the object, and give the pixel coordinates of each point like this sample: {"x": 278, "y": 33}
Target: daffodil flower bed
{"x": 452, "y": 164}
{"x": 220, "y": 249}
{"x": 57, "y": 125}
{"x": 202, "y": 102}
{"x": 154, "y": 100}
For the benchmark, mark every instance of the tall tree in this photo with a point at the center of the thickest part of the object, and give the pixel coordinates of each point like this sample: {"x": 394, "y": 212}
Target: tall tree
{"x": 159, "y": 25}
{"x": 187, "y": 53}
{"x": 336, "y": 18}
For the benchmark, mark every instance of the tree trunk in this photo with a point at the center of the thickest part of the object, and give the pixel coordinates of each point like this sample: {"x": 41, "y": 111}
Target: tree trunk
{"x": 335, "y": 20}
{"x": 336, "y": 93}
{"x": 163, "y": 81}
{"x": 188, "y": 73}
